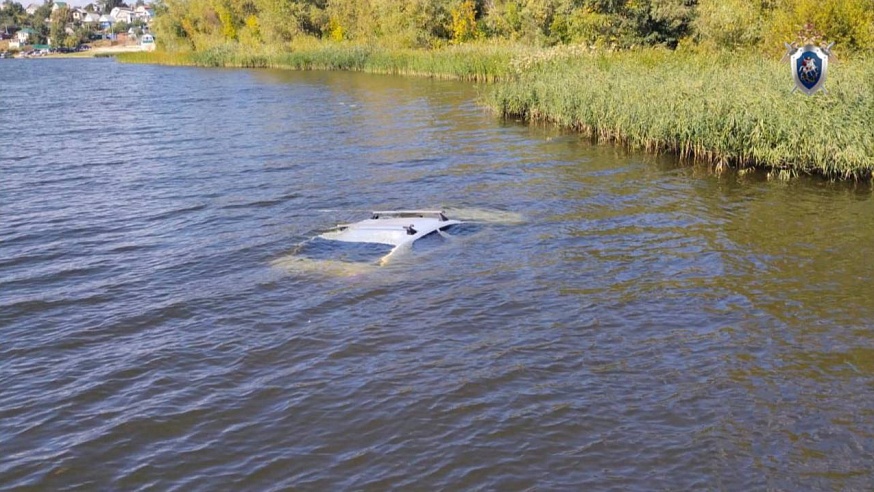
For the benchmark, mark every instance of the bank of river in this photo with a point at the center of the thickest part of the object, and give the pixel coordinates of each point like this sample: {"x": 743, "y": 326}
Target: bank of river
{"x": 725, "y": 109}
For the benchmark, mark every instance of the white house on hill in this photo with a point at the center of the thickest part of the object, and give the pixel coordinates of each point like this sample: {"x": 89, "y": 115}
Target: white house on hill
{"x": 122, "y": 14}
{"x": 25, "y": 34}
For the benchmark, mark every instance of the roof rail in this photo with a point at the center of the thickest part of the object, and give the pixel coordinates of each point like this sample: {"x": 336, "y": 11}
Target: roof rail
{"x": 409, "y": 213}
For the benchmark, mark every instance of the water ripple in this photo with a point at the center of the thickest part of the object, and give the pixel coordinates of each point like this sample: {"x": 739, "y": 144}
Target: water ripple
{"x": 624, "y": 323}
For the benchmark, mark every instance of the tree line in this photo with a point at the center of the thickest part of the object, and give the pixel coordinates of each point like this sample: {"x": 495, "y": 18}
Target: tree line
{"x": 755, "y": 24}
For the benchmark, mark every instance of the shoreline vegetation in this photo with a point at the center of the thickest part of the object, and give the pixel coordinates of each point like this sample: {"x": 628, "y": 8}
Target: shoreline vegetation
{"x": 698, "y": 78}
{"x": 727, "y": 109}
{"x": 467, "y": 62}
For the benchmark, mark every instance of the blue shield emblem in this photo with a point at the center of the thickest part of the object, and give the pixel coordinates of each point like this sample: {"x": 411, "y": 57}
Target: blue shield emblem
{"x": 809, "y": 65}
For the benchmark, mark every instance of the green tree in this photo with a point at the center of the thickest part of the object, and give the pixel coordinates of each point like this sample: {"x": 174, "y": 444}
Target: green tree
{"x": 585, "y": 25}
{"x": 524, "y": 20}
{"x": 410, "y": 23}
{"x": 558, "y": 21}
{"x": 120, "y": 27}
{"x": 82, "y": 35}
{"x": 12, "y": 14}
{"x": 849, "y": 23}
{"x": 169, "y": 27}
{"x": 58, "y": 29}
{"x": 658, "y": 21}
{"x": 730, "y": 23}
{"x": 42, "y": 13}
{"x": 106, "y": 6}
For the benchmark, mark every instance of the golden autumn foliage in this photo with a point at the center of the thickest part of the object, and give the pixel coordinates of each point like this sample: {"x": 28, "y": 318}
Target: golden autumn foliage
{"x": 847, "y": 23}
{"x": 762, "y": 25}
{"x": 464, "y": 21}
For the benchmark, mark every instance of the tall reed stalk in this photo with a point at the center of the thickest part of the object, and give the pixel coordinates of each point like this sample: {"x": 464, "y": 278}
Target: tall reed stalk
{"x": 726, "y": 109}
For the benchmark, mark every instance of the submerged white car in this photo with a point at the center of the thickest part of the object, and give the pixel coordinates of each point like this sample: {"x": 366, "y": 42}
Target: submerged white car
{"x": 395, "y": 228}
{"x": 365, "y": 246}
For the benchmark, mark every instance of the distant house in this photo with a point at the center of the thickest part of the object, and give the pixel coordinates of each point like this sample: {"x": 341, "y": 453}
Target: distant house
{"x": 143, "y": 10}
{"x": 26, "y": 35}
{"x": 59, "y": 5}
{"x": 79, "y": 14}
{"x": 91, "y": 18}
{"x": 122, "y": 15}
{"x": 31, "y": 9}
{"x": 144, "y": 14}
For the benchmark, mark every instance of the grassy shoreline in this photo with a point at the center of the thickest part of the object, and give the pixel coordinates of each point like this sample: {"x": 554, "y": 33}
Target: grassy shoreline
{"x": 476, "y": 63}
{"x": 725, "y": 109}
{"x": 729, "y": 109}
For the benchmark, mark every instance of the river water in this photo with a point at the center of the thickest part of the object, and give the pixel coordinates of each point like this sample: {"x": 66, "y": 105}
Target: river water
{"x": 610, "y": 320}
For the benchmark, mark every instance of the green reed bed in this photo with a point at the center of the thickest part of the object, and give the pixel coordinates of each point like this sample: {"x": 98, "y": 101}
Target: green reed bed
{"x": 726, "y": 109}
{"x": 465, "y": 62}
{"x": 156, "y": 57}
